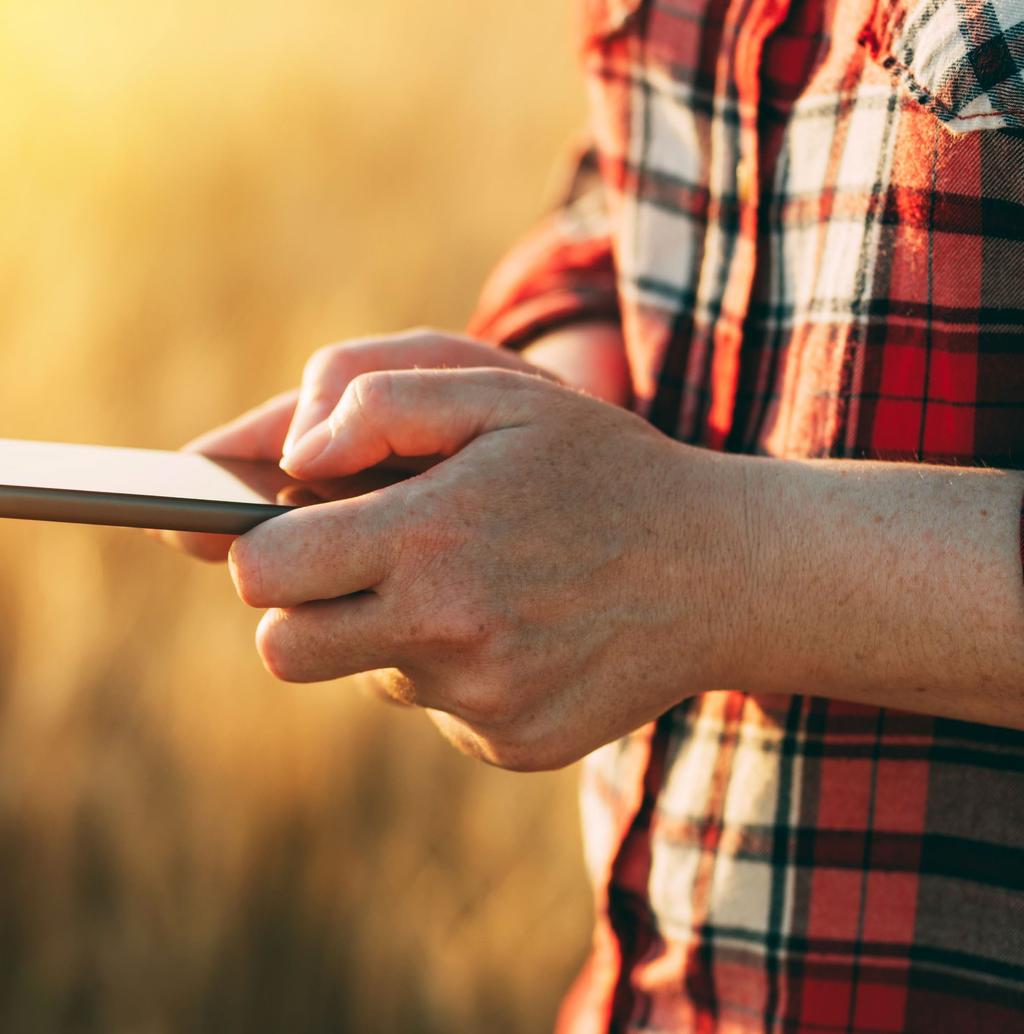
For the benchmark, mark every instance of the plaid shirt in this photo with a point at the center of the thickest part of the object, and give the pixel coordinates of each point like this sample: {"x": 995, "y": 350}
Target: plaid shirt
{"x": 808, "y": 219}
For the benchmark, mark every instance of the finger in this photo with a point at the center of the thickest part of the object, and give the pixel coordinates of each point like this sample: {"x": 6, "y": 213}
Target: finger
{"x": 327, "y": 639}
{"x": 206, "y": 546}
{"x": 462, "y": 736}
{"x": 389, "y": 685}
{"x": 257, "y": 434}
{"x": 332, "y": 369}
{"x": 483, "y": 745}
{"x": 315, "y": 553}
{"x": 414, "y": 413}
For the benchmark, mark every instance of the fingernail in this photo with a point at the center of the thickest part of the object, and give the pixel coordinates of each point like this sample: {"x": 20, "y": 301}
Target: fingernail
{"x": 308, "y": 447}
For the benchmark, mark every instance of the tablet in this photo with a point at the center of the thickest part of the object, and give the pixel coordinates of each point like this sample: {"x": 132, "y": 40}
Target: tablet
{"x": 146, "y": 488}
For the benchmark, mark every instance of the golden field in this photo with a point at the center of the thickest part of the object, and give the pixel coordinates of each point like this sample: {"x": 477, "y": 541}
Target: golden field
{"x": 195, "y": 196}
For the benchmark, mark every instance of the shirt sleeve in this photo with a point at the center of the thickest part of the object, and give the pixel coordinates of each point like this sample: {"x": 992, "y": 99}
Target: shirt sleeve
{"x": 563, "y": 272}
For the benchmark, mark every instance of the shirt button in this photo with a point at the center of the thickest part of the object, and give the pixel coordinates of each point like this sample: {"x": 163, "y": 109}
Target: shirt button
{"x": 746, "y": 187}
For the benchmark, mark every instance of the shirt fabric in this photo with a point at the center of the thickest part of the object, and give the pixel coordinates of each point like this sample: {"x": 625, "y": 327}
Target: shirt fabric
{"x": 808, "y": 218}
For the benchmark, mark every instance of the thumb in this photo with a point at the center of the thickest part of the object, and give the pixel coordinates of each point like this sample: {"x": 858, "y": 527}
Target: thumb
{"x": 413, "y": 413}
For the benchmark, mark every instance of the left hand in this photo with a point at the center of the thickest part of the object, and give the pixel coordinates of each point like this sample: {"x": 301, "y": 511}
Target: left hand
{"x": 563, "y": 577}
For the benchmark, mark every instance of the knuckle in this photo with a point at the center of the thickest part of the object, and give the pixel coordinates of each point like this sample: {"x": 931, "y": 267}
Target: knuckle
{"x": 501, "y": 647}
{"x": 462, "y": 625}
{"x": 331, "y": 366}
{"x": 420, "y": 335}
{"x": 516, "y": 759}
{"x": 372, "y": 392}
{"x": 525, "y": 754}
{"x": 469, "y": 626}
{"x": 323, "y": 359}
{"x": 246, "y": 567}
{"x": 512, "y": 382}
{"x": 490, "y": 701}
{"x": 368, "y": 399}
{"x": 528, "y": 761}
{"x": 514, "y": 751}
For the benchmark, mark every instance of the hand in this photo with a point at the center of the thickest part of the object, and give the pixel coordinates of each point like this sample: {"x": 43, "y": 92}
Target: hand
{"x": 256, "y": 435}
{"x": 330, "y": 370}
{"x": 266, "y": 432}
{"x": 562, "y": 578}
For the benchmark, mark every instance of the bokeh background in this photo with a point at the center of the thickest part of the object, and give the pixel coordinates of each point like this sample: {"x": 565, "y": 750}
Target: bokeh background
{"x": 196, "y": 195}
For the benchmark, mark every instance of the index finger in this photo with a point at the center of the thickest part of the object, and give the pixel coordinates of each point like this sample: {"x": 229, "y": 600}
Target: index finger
{"x": 255, "y": 435}
{"x": 317, "y": 553}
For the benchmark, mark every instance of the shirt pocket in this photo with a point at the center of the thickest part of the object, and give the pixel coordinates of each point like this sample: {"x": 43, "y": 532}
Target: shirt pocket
{"x": 963, "y": 60}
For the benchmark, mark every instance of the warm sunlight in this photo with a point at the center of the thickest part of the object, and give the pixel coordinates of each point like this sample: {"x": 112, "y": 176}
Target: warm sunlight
{"x": 195, "y": 196}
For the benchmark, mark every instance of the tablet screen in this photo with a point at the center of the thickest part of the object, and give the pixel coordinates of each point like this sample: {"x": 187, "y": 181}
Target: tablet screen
{"x": 97, "y": 469}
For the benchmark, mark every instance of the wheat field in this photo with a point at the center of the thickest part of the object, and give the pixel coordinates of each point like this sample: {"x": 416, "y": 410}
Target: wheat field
{"x": 195, "y": 196}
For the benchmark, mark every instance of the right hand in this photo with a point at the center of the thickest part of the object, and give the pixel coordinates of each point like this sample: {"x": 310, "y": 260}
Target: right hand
{"x": 270, "y": 430}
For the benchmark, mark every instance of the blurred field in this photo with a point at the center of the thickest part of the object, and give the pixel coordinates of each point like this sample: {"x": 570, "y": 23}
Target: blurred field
{"x": 195, "y": 196}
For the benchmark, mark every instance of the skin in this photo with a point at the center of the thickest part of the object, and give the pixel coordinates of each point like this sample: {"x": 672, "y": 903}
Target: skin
{"x": 565, "y": 573}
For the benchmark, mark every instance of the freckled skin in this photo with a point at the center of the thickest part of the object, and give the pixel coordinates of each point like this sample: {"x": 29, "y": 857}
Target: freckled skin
{"x": 525, "y": 586}
{"x": 567, "y": 573}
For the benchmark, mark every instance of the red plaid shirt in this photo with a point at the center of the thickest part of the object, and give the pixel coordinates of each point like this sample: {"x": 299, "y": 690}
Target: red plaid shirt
{"x": 808, "y": 218}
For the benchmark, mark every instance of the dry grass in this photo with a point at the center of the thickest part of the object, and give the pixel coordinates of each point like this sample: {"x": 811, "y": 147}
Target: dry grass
{"x": 196, "y": 195}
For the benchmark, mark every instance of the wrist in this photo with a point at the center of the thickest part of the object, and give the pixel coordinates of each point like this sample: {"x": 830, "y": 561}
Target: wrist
{"x": 747, "y": 582}
{"x": 760, "y": 529}
{"x": 718, "y": 590}
{"x": 783, "y": 587}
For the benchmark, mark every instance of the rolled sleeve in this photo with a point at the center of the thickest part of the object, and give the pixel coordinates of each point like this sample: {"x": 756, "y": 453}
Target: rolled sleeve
{"x": 561, "y": 273}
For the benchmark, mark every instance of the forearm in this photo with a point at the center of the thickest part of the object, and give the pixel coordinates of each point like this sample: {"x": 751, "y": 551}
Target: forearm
{"x": 587, "y": 356}
{"x": 886, "y": 584}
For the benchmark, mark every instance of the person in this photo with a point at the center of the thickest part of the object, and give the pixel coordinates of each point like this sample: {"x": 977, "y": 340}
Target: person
{"x": 735, "y": 514}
